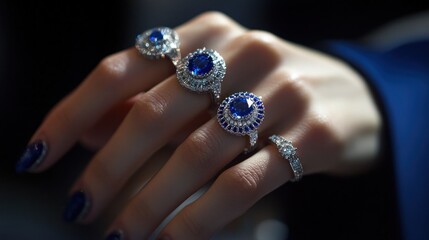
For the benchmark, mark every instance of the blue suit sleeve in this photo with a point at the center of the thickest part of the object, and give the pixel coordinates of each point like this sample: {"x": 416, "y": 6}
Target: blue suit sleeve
{"x": 400, "y": 80}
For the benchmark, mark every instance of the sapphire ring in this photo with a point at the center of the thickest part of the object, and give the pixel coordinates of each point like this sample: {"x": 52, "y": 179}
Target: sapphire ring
{"x": 159, "y": 43}
{"x": 241, "y": 114}
{"x": 288, "y": 152}
{"x": 202, "y": 71}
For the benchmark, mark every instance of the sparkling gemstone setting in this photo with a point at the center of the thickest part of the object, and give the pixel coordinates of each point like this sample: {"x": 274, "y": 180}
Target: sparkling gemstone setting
{"x": 241, "y": 107}
{"x": 288, "y": 152}
{"x": 202, "y": 71}
{"x": 158, "y": 43}
{"x": 241, "y": 113}
{"x": 156, "y": 36}
{"x": 200, "y": 64}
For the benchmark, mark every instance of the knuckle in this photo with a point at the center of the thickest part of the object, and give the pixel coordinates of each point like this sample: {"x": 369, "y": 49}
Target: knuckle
{"x": 293, "y": 89}
{"x": 213, "y": 16}
{"x": 202, "y": 146}
{"x": 215, "y": 22}
{"x": 150, "y": 107}
{"x": 242, "y": 184}
{"x": 323, "y": 130}
{"x": 261, "y": 44}
{"x": 111, "y": 70}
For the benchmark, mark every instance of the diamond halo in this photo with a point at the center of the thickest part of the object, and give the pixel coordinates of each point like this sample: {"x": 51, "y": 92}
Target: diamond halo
{"x": 241, "y": 114}
{"x": 202, "y": 71}
{"x": 158, "y": 43}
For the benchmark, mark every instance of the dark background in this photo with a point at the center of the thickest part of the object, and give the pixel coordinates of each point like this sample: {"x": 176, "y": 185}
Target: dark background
{"x": 47, "y": 49}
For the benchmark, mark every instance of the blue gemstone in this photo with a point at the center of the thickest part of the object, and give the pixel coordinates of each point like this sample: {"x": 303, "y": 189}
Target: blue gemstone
{"x": 235, "y": 129}
{"x": 200, "y": 64}
{"x": 240, "y": 130}
{"x": 156, "y": 36}
{"x": 251, "y": 127}
{"x": 241, "y": 107}
{"x": 260, "y": 116}
{"x": 246, "y": 129}
{"x": 224, "y": 124}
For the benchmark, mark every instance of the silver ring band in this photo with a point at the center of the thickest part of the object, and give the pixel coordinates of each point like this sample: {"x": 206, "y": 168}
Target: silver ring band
{"x": 288, "y": 152}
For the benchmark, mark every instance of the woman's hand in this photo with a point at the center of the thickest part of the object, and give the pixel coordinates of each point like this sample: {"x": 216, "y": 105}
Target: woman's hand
{"x": 129, "y": 107}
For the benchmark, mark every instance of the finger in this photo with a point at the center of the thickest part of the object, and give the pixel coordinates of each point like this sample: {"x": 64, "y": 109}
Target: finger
{"x": 117, "y": 78}
{"x": 98, "y": 134}
{"x": 202, "y": 155}
{"x": 149, "y": 124}
{"x": 241, "y": 186}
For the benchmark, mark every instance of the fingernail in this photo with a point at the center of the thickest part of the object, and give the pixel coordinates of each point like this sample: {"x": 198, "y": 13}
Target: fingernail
{"x": 77, "y": 207}
{"x": 115, "y": 235}
{"x": 32, "y": 156}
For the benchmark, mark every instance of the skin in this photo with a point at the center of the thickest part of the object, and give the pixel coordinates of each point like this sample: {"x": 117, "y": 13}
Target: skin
{"x": 129, "y": 108}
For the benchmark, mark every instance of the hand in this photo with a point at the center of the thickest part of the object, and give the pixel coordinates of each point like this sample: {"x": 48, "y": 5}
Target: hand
{"x": 129, "y": 107}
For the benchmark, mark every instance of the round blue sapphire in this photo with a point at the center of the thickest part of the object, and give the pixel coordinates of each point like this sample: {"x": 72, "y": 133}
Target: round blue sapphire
{"x": 200, "y": 64}
{"x": 156, "y": 36}
{"x": 241, "y": 107}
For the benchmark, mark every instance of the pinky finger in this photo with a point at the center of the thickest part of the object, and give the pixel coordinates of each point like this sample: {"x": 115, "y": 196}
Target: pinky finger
{"x": 231, "y": 195}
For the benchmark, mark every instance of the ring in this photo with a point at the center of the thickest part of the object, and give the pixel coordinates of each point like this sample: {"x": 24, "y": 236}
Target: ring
{"x": 241, "y": 114}
{"x": 288, "y": 151}
{"x": 202, "y": 71}
{"x": 159, "y": 43}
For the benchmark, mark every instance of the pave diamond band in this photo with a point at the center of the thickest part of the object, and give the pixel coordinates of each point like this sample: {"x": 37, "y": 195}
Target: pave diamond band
{"x": 288, "y": 151}
{"x": 158, "y": 43}
{"x": 202, "y": 71}
{"x": 241, "y": 114}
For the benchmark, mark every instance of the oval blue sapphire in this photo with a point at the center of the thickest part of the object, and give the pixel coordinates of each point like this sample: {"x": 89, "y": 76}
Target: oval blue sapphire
{"x": 156, "y": 36}
{"x": 241, "y": 107}
{"x": 200, "y": 64}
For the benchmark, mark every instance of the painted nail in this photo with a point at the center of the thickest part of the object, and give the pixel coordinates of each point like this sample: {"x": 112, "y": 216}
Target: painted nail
{"x": 32, "y": 156}
{"x": 115, "y": 235}
{"x": 77, "y": 207}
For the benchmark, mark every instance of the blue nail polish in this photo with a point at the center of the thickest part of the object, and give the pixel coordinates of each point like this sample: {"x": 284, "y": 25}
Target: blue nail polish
{"x": 115, "y": 235}
{"x": 77, "y": 207}
{"x": 32, "y": 156}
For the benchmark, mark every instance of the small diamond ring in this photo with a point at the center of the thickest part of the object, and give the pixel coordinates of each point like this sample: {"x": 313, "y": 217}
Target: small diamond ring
{"x": 288, "y": 152}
